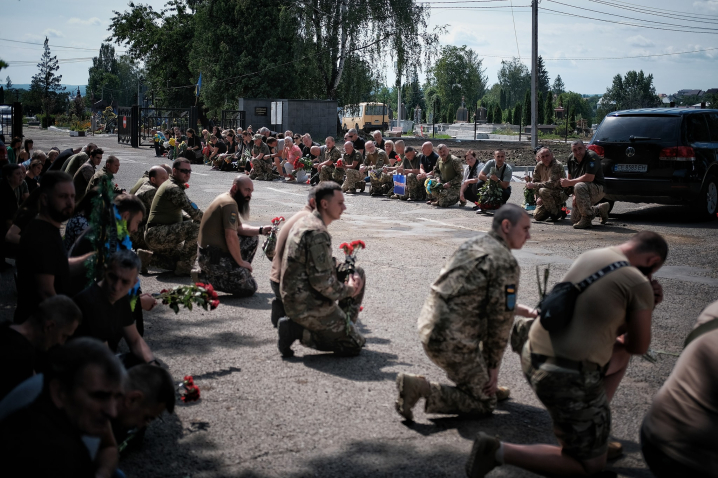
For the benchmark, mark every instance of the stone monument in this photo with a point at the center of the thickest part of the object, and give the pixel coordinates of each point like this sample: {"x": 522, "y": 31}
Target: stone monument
{"x": 417, "y": 114}
{"x": 482, "y": 115}
{"x": 462, "y": 114}
{"x": 402, "y": 111}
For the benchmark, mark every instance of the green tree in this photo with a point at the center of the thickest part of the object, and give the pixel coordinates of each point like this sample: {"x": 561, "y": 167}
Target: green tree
{"x": 3, "y": 65}
{"x": 544, "y": 81}
{"x": 46, "y": 82}
{"x": 492, "y": 95}
{"x": 634, "y": 90}
{"x": 490, "y": 114}
{"x": 502, "y": 99}
{"x": 572, "y": 117}
{"x": 509, "y": 116}
{"x": 526, "y": 113}
{"x": 498, "y": 114}
{"x": 548, "y": 111}
{"x": 517, "y": 114}
{"x": 540, "y": 109}
{"x": 514, "y": 79}
{"x": 458, "y": 73}
{"x": 558, "y": 86}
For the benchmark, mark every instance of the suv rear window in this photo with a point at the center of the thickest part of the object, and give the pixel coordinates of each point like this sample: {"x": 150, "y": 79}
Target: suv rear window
{"x": 618, "y": 129}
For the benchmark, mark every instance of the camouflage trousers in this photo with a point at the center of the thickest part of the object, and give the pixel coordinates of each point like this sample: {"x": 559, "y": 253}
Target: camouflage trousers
{"x": 138, "y": 238}
{"x": 414, "y": 188}
{"x": 176, "y": 242}
{"x": 336, "y": 331}
{"x": 468, "y": 370}
{"x": 262, "y": 170}
{"x": 551, "y": 200}
{"x": 445, "y": 197}
{"x": 576, "y": 401}
{"x": 354, "y": 180}
{"x": 585, "y": 195}
{"x": 221, "y": 270}
{"x": 331, "y": 173}
{"x": 381, "y": 183}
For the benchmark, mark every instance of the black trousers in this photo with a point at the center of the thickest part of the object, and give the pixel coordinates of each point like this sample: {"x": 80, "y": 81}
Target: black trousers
{"x": 662, "y": 465}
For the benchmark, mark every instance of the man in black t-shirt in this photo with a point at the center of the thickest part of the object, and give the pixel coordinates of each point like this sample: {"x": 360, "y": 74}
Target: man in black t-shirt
{"x": 43, "y": 269}
{"x": 307, "y": 144}
{"x": 356, "y": 141}
{"x": 81, "y": 391}
{"x": 21, "y": 346}
{"x": 427, "y": 161}
{"x": 106, "y": 311}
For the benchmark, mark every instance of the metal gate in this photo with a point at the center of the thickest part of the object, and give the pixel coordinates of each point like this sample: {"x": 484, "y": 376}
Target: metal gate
{"x": 232, "y": 119}
{"x": 127, "y": 125}
{"x": 11, "y": 121}
{"x": 153, "y": 119}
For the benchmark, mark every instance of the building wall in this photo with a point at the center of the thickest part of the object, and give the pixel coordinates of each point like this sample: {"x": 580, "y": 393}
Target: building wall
{"x": 316, "y": 117}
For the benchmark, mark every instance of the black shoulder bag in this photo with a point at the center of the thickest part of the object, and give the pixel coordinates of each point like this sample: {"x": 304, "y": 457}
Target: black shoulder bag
{"x": 556, "y": 309}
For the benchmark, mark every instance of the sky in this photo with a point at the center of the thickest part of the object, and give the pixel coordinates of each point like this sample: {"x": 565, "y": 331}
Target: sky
{"x": 76, "y": 28}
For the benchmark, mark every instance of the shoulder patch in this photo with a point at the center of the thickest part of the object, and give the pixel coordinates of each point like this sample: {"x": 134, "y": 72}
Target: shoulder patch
{"x": 592, "y": 164}
{"x": 194, "y": 206}
{"x": 322, "y": 260}
{"x": 232, "y": 217}
{"x": 510, "y": 296}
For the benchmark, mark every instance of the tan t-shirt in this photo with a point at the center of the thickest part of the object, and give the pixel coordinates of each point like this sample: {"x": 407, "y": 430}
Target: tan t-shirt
{"x": 220, "y": 215}
{"x": 600, "y": 312}
{"x": 683, "y": 419}
{"x": 276, "y": 274}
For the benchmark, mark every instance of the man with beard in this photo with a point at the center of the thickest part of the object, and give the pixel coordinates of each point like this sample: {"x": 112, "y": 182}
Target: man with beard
{"x": 43, "y": 269}
{"x": 576, "y": 368}
{"x": 226, "y": 246}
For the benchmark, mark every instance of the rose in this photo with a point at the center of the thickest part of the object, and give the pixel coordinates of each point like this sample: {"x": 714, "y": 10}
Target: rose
{"x": 213, "y": 304}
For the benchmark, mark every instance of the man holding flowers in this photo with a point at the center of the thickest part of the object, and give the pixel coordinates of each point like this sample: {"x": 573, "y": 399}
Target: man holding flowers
{"x": 321, "y": 309}
{"x": 225, "y": 246}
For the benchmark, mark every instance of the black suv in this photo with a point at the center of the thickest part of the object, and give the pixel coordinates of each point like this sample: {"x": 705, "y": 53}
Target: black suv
{"x": 661, "y": 155}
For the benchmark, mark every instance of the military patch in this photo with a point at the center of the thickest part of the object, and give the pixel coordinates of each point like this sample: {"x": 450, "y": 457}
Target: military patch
{"x": 510, "y": 297}
{"x": 322, "y": 260}
{"x": 592, "y": 164}
{"x": 232, "y": 217}
{"x": 194, "y": 206}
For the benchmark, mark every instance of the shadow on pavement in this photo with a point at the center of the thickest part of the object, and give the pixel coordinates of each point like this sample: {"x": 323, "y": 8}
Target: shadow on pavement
{"x": 676, "y": 216}
{"x": 258, "y": 301}
{"x": 367, "y": 367}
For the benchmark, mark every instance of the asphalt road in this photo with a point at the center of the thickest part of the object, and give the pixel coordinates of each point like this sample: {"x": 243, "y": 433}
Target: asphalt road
{"x": 318, "y": 415}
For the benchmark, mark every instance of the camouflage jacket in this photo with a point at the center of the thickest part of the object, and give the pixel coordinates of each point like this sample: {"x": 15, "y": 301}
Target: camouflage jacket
{"x": 549, "y": 176}
{"x": 377, "y": 159}
{"x": 334, "y": 154}
{"x": 140, "y": 182}
{"x": 146, "y": 194}
{"x": 454, "y": 164}
{"x": 169, "y": 202}
{"x": 348, "y": 159}
{"x": 473, "y": 299}
{"x": 97, "y": 177}
{"x": 309, "y": 284}
{"x": 261, "y": 149}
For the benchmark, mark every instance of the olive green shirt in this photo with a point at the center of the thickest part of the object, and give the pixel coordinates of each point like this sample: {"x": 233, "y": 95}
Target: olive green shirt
{"x": 169, "y": 202}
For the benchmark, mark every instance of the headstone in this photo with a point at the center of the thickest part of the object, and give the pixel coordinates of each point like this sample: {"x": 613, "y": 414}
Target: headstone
{"x": 402, "y": 111}
{"x": 482, "y": 115}
{"x": 462, "y": 114}
{"x": 430, "y": 118}
{"x": 417, "y": 114}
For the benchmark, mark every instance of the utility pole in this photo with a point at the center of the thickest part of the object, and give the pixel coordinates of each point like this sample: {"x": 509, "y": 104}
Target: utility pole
{"x": 534, "y": 73}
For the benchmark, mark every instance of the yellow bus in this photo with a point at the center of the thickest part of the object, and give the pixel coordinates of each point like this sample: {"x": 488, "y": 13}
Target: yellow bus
{"x": 366, "y": 116}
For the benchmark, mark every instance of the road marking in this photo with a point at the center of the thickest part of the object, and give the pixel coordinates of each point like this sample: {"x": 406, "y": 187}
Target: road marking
{"x": 450, "y": 225}
{"x": 285, "y": 192}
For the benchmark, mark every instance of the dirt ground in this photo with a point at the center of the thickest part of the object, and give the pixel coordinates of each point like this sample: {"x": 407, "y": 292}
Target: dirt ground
{"x": 317, "y": 415}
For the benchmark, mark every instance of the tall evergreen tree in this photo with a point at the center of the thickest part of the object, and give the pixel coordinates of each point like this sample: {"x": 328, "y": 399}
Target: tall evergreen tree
{"x": 548, "y": 111}
{"x": 46, "y": 82}
{"x": 489, "y": 114}
{"x": 509, "y": 116}
{"x": 502, "y": 99}
{"x": 526, "y": 113}
{"x": 540, "y": 109}
{"x": 498, "y": 114}
{"x": 558, "y": 86}
{"x": 544, "y": 82}
{"x": 517, "y": 114}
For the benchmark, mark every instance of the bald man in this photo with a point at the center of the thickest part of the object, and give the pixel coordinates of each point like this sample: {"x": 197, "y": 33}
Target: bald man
{"x": 352, "y": 161}
{"x": 146, "y": 177}
{"x": 155, "y": 177}
{"x": 226, "y": 247}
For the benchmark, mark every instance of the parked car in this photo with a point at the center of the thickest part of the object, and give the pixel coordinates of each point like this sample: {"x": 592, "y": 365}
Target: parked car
{"x": 661, "y": 155}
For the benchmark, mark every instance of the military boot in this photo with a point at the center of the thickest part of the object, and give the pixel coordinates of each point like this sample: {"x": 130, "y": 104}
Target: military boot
{"x": 584, "y": 223}
{"x": 145, "y": 259}
{"x": 503, "y": 393}
{"x": 483, "y": 456}
{"x": 288, "y": 331}
{"x": 409, "y": 388}
{"x": 602, "y": 210}
{"x": 615, "y": 449}
{"x": 541, "y": 214}
{"x": 277, "y": 312}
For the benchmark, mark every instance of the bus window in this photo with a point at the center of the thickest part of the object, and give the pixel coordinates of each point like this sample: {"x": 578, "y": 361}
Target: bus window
{"x": 376, "y": 110}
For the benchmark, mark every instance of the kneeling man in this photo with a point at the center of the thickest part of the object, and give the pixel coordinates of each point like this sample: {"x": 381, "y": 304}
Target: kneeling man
{"x": 321, "y": 309}
{"x": 225, "y": 246}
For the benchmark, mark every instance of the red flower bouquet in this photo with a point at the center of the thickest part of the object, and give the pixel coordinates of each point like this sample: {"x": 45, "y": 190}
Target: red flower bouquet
{"x": 200, "y": 294}
{"x": 270, "y": 243}
{"x": 191, "y": 393}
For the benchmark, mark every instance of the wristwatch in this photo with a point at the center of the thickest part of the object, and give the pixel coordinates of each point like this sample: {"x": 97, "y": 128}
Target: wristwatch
{"x": 261, "y": 230}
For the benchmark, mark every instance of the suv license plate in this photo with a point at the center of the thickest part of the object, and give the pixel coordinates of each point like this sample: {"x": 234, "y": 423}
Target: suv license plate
{"x": 630, "y": 168}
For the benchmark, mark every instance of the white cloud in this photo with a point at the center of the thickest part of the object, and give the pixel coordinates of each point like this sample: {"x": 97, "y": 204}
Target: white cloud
{"x": 52, "y": 33}
{"x": 709, "y": 5}
{"x": 640, "y": 41}
{"x": 462, "y": 36}
{"x": 94, "y": 21}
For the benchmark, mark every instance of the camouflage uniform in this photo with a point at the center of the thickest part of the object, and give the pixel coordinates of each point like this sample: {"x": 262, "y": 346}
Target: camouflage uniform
{"x": 74, "y": 163}
{"x": 221, "y": 270}
{"x": 547, "y": 187}
{"x": 98, "y": 177}
{"x": 140, "y": 182}
{"x": 332, "y": 173}
{"x": 82, "y": 178}
{"x": 354, "y": 179}
{"x": 465, "y": 323}
{"x": 586, "y": 194}
{"x": 453, "y": 170}
{"x": 262, "y": 168}
{"x": 413, "y": 189}
{"x": 146, "y": 193}
{"x": 310, "y": 290}
{"x": 167, "y": 233}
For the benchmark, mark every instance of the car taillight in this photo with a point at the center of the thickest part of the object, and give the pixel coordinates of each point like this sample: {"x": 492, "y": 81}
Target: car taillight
{"x": 596, "y": 149}
{"x": 678, "y": 153}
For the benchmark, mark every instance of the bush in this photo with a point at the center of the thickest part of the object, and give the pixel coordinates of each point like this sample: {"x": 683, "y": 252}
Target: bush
{"x": 46, "y": 120}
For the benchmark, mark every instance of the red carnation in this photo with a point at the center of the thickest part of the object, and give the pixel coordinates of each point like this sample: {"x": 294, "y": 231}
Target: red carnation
{"x": 209, "y": 288}
{"x": 186, "y": 185}
{"x": 163, "y": 291}
{"x": 213, "y": 304}
{"x": 199, "y": 284}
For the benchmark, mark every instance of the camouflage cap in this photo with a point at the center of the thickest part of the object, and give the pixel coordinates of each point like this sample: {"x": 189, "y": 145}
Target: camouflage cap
{"x": 257, "y": 136}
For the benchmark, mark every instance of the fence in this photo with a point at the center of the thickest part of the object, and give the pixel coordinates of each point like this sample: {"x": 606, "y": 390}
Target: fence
{"x": 11, "y": 121}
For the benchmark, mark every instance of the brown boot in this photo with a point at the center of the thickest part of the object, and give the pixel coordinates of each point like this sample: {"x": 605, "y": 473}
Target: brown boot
{"x": 602, "y": 211}
{"x": 409, "y": 387}
{"x": 541, "y": 214}
{"x": 483, "y": 456}
{"x": 584, "y": 223}
{"x": 502, "y": 394}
